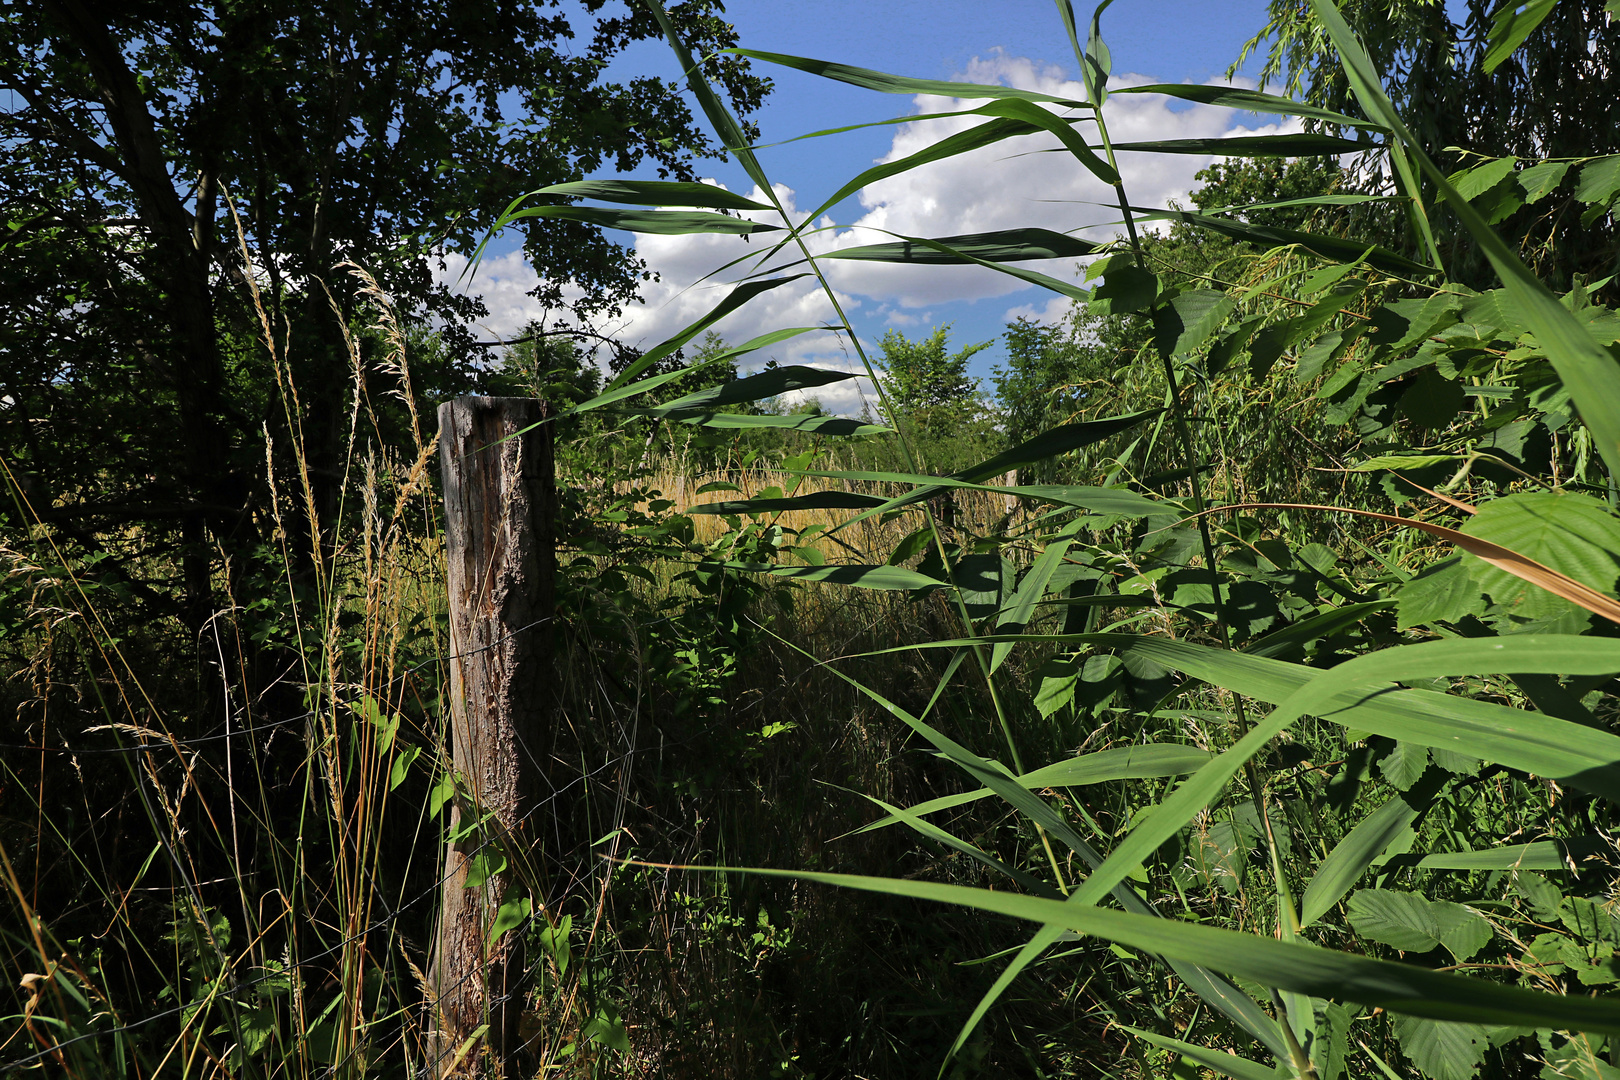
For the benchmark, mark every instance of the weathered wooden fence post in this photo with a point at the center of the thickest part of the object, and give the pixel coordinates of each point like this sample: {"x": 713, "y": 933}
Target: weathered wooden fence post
{"x": 499, "y": 497}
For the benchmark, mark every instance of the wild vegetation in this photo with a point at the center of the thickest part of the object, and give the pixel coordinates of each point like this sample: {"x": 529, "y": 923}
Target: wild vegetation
{"x": 1231, "y": 692}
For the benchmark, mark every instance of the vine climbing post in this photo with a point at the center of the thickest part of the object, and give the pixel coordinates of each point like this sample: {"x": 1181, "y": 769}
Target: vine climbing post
{"x": 499, "y": 494}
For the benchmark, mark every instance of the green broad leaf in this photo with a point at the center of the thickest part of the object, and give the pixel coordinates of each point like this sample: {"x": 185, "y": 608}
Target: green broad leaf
{"x": 402, "y": 766}
{"x": 806, "y": 422}
{"x": 1513, "y": 23}
{"x": 1443, "y": 593}
{"x": 1363, "y": 846}
{"x": 815, "y": 500}
{"x": 512, "y": 913}
{"x": 1248, "y": 100}
{"x": 655, "y": 193}
{"x": 1541, "y": 180}
{"x": 1056, "y": 685}
{"x": 865, "y": 577}
{"x": 1589, "y": 920}
{"x": 621, "y": 387}
{"x": 1125, "y": 288}
{"x": 1539, "y": 855}
{"x": 1600, "y": 179}
{"x": 1328, "y": 247}
{"x": 1476, "y": 180}
{"x": 1463, "y": 931}
{"x": 554, "y": 941}
{"x": 442, "y": 792}
{"x": 1453, "y": 762}
{"x": 1443, "y": 1051}
{"x": 885, "y": 83}
{"x": 1401, "y": 920}
{"x": 1587, "y": 369}
{"x": 1227, "y": 347}
{"x": 607, "y": 1029}
{"x": 1189, "y": 319}
{"x": 1573, "y": 534}
{"x": 1220, "y": 1061}
{"x": 1542, "y": 896}
{"x": 767, "y": 384}
{"x": 1287, "y": 965}
{"x": 651, "y": 222}
{"x": 487, "y": 862}
{"x": 1346, "y": 374}
{"x": 1301, "y": 144}
{"x": 1007, "y": 245}
{"x": 1403, "y": 765}
{"x": 1269, "y": 345}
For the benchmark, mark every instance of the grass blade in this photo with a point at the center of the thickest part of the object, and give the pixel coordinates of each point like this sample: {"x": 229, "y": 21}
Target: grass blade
{"x": 1296, "y": 966}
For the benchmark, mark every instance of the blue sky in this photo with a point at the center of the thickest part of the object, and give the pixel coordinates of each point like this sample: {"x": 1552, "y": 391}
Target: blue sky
{"x": 1014, "y": 42}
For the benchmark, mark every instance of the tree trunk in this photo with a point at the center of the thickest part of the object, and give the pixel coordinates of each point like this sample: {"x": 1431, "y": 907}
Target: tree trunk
{"x": 499, "y": 501}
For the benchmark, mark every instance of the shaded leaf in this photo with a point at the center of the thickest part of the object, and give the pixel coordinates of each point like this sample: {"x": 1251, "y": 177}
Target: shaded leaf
{"x": 1444, "y": 592}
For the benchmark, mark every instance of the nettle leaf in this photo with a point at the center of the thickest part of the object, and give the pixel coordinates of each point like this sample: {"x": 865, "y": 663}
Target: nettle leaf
{"x": 1463, "y": 931}
{"x": 1413, "y": 923}
{"x": 1403, "y": 765}
{"x": 1573, "y": 534}
{"x": 1441, "y": 1050}
{"x": 1444, "y": 592}
{"x": 1401, "y": 920}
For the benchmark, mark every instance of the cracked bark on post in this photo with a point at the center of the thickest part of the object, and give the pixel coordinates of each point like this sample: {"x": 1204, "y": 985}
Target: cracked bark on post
{"x": 499, "y": 499}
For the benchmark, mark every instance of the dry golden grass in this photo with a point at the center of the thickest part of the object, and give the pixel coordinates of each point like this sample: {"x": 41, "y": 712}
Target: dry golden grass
{"x": 976, "y": 513}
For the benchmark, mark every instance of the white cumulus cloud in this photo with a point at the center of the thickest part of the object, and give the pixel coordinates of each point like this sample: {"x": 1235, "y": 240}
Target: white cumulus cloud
{"x": 1013, "y": 184}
